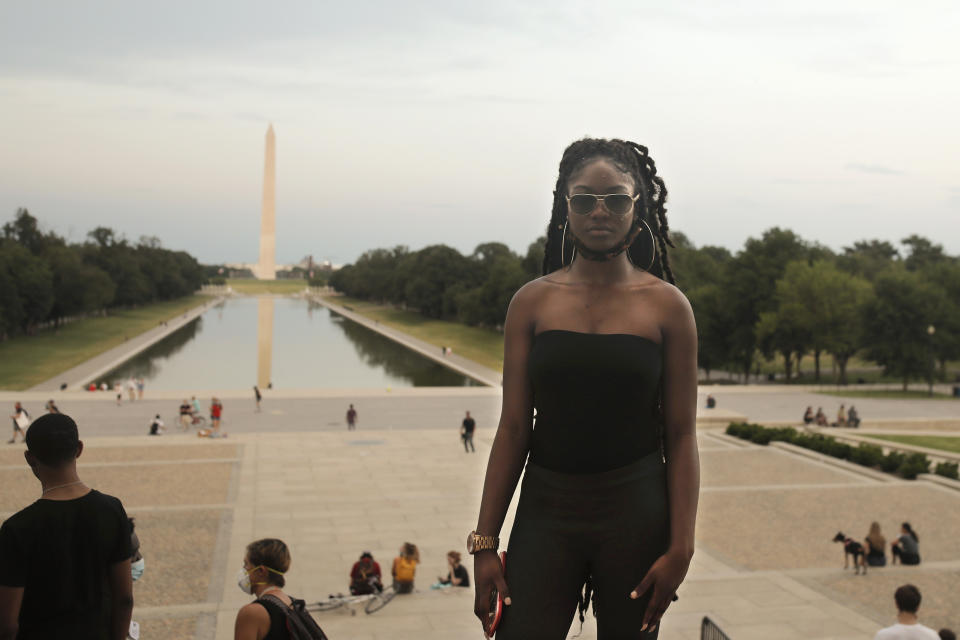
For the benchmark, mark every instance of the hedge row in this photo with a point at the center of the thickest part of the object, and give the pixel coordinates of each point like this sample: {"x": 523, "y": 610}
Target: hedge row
{"x": 906, "y": 465}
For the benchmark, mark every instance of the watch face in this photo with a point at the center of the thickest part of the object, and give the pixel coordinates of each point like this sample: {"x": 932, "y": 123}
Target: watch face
{"x": 470, "y": 541}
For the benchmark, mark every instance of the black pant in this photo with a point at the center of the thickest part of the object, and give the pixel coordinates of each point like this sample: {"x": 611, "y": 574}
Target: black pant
{"x": 904, "y": 557}
{"x": 468, "y": 440}
{"x": 608, "y": 527}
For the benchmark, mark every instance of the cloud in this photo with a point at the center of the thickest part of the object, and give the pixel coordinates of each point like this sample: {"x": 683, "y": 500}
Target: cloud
{"x": 873, "y": 168}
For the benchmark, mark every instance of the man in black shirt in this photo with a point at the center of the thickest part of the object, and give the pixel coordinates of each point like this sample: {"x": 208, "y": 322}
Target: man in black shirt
{"x": 466, "y": 431}
{"x": 65, "y": 559}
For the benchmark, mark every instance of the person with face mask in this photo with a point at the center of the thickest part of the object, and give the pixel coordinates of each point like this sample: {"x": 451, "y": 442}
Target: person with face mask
{"x": 264, "y": 565}
{"x": 65, "y": 559}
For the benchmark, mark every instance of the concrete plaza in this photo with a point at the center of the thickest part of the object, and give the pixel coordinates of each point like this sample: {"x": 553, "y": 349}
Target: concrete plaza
{"x": 764, "y": 566}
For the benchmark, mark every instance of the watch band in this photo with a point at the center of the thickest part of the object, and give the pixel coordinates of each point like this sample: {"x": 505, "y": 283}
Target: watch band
{"x": 483, "y": 543}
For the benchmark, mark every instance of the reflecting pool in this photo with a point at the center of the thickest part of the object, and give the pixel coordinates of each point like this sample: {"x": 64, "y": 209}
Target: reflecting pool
{"x": 290, "y": 342}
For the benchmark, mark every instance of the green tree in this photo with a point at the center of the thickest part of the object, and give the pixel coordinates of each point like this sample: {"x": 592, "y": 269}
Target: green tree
{"x": 896, "y": 322}
{"x": 945, "y": 276}
{"x": 922, "y": 253}
{"x": 34, "y": 284}
{"x": 26, "y": 231}
{"x": 532, "y": 262}
{"x": 434, "y": 269}
{"x": 869, "y": 259}
{"x": 748, "y": 285}
{"x": 486, "y": 305}
{"x": 77, "y": 287}
{"x": 826, "y": 304}
{"x": 714, "y": 325}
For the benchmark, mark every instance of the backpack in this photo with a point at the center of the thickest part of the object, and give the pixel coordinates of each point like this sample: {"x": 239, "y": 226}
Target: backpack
{"x": 405, "y": 569}
{"x": 300, "y": 624}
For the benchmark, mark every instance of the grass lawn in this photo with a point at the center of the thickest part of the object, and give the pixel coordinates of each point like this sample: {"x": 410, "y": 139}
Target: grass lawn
{"x": 483, "y": 346}
{"x": 897, "y": 394}
{"x": 29, "y": 360}
{"x": 253, "y": 287}
{"x": 947, "y": 443}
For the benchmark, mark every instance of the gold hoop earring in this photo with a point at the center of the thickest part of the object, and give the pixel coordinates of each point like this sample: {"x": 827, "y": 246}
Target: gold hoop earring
{"x": 563, "y": 245}
{"x": 653, "y": 245}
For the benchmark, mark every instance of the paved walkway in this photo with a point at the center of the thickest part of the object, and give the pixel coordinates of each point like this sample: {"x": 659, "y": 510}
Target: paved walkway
{"x": 458, "y": 363}
{"x": 764, "y": 566}
{"x": 90, "y": 370}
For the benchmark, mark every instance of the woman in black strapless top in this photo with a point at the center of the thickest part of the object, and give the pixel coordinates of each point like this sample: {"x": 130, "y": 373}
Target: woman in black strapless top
{"x": 603, "y": 350}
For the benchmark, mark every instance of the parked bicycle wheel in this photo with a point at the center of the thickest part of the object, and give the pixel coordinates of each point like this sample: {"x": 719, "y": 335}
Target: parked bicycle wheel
{"x": 327, "y": 605}
{"x": 380, "y": 600}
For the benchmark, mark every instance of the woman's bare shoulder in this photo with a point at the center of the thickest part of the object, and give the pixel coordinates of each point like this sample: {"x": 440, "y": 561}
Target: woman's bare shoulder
{"x": 530, "y": 294}
{"x": 674, "y": 308}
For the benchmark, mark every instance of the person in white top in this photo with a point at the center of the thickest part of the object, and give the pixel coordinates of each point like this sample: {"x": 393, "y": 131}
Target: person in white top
{"x": 908, "y": 627}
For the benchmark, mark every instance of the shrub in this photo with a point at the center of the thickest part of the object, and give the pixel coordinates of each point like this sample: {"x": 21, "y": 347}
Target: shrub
{"x": 913, "y": 465}
{"x": 892, "y": 461}
{"x": 947, "y": 470}
{"x": 839, "y": 449}
{"x": 868, "y": 455}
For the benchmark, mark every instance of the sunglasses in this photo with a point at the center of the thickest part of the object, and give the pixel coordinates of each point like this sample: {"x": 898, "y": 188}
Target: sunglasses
{"x": 619, "y": 204}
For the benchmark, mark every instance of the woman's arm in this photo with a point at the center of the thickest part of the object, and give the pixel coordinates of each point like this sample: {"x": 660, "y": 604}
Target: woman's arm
{"x": 510, "y": 445}
{"x": 683, "y": 460}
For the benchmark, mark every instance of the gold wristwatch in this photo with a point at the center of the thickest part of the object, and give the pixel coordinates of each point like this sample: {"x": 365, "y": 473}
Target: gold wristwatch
{"x": 477, "y": 542}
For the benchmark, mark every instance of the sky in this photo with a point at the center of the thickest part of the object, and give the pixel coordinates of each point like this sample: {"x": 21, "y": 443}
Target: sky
{"x": 431, "y": 121}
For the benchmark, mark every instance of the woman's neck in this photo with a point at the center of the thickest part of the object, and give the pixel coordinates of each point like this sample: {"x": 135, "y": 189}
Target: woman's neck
{"x": 261, "y": 589}
{"x": 612, "y": 271}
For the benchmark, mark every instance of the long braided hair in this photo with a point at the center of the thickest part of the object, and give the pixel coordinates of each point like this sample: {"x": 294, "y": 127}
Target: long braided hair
{"x": 634, "y": 160}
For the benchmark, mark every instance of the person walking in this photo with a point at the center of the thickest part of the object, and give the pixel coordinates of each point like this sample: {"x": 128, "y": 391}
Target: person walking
{"x": 21, "y": 420}
{"x": 51, "y": 406}
{"x": 65, "y": 559}
{"x": 140, "y": 386}
{"x": 351, "y": 418}
{"x": 466, "y": 432}
{"x": 603, "y": 348}
{"x": 257, "y": 397}
{"x": 216, "y": 413}
{"x": 908, "y": 627}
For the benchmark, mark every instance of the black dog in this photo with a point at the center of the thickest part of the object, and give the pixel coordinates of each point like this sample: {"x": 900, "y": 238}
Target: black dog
{"x": 852, "y": 548}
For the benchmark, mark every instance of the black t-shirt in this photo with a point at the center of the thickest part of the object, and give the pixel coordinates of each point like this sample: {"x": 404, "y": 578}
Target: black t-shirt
{"x": 468, "y": 426}
{"x": 185, "y": 409}
{"x": 60, "y": 552}
{"x": 461, "y": 573}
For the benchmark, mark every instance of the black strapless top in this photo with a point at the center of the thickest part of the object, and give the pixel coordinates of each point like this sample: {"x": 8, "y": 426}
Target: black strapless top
{"x": 596, "y": 398}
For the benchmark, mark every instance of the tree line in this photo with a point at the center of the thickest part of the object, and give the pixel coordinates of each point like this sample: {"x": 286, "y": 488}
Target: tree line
{"x": 45, "y": 279}
{"x": 780, "y": 296}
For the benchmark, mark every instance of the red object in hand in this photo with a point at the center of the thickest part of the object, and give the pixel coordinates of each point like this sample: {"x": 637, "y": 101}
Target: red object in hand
{"x": 496, "y": 601}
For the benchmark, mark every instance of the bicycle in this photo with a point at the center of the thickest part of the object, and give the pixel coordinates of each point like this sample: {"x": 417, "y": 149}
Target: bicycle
{"x": 374, "y": 601}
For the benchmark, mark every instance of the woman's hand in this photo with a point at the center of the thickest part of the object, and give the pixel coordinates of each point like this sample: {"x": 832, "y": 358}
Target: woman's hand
{"x": 664, "y": 577}
{"x": 488, "y": 575}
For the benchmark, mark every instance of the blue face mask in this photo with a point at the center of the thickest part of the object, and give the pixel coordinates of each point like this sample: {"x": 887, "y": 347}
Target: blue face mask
{"x": 136, "y": 569}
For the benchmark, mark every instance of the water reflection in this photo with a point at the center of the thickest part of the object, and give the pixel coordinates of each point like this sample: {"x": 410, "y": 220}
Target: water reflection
{"x": 264, "y": 341}
{"x": 148, "y": 364}
{"x": 378, "y": 351}
{"x": 309, "y": 349}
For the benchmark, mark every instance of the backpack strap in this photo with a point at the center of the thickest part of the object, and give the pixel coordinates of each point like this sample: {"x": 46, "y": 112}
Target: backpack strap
{"x": 300, "y": 624}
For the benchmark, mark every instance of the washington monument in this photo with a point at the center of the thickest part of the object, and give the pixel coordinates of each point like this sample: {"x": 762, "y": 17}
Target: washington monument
{"x": 267, "y": 267}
